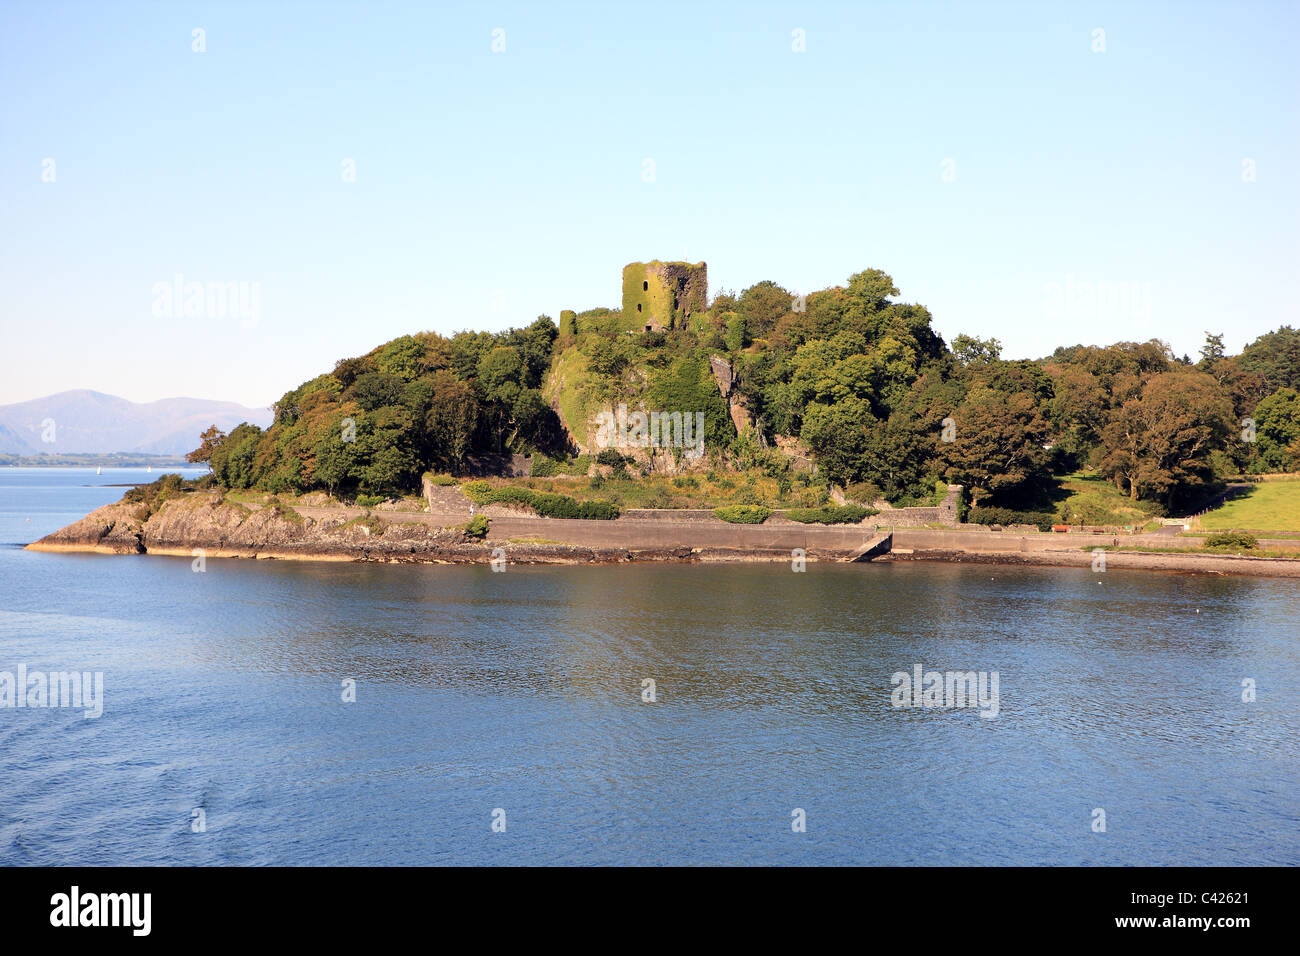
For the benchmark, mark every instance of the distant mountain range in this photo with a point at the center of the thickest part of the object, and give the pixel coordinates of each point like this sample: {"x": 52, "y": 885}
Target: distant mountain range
{"x": 82, "y": 421}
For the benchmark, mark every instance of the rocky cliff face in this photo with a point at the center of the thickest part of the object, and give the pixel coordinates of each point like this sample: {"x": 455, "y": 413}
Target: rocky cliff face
{"x": 222, "y": 528}
{"x": 737, "y": 407}
{"x": 113, "y": 529}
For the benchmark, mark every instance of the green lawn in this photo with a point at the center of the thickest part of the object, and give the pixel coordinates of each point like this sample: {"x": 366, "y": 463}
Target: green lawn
{"x": 1269, "y": 506}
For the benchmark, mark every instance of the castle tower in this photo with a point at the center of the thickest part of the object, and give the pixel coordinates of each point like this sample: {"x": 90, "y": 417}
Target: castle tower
{"x": 661, "y": 295}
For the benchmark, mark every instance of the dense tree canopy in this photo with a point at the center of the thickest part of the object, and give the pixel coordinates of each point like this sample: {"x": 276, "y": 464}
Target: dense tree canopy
{"x": 378, "y": 420}
{"x": 1277, "y": 423}
{"x": 1275, "y": 357}
{"x": 1161, "y": 439}
{"x": 858, "y": 376}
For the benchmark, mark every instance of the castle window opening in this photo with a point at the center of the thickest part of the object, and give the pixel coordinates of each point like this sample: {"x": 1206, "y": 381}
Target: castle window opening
{"x": 638, "y": 306}
{"x": 645, "y": 285}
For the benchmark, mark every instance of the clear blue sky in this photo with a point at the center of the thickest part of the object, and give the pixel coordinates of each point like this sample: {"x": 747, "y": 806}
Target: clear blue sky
{"x": 493, "y": 187}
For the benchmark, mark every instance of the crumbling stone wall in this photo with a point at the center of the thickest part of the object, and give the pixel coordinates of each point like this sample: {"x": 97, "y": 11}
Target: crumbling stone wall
{"x": 663, "y": 295}
{"x": 948, "y": 507}
{"x": 944, "y": 514}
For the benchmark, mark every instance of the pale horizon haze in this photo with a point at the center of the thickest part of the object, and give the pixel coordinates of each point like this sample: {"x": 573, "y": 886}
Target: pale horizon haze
{"x": 376, "y": 170}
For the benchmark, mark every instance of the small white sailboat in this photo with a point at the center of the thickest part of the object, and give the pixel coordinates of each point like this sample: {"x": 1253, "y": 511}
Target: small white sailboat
{"x": 99, "y": 471}
{"x": 149, "y": 468}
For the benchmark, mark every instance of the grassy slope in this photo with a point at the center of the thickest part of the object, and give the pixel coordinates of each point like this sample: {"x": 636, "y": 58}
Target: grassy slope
{"x": 1091, "y": 499}
{"x": 565, "y": 382}
{"x": 695, "y": 491}
{"x": 1269, "y": 506}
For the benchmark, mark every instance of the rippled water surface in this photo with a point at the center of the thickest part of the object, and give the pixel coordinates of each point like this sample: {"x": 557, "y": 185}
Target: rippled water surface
{"x": 522, "y": 691}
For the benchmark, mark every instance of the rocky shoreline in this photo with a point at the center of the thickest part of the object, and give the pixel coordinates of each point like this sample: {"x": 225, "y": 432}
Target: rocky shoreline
{"x": 222, "y": 529}
{"x": 209, "y": 523}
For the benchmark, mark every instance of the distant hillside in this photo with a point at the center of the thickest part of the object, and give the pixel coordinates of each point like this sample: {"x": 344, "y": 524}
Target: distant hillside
{"x": 92, "y": 422}
{"x": 11, "y": 443}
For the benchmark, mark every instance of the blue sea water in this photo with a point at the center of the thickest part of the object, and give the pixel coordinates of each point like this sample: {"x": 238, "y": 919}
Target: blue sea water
{"x": 521, "y": 692}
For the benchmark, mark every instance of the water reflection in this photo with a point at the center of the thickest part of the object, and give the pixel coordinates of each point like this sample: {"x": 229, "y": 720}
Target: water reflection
{"x": 523, "y": 690}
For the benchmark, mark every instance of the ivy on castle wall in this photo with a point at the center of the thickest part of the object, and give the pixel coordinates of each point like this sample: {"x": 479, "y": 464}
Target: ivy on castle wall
{"x": 666, "y": 291}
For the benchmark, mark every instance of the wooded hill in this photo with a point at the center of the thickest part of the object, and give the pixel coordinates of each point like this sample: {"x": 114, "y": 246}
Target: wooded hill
{"x": 860, "y": 378}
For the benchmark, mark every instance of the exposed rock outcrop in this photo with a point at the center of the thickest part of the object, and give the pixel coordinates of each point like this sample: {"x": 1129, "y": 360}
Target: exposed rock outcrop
{"x": 114, "y": 529}
{"x": 725, "y": 377}
{"x": 800, "y": 454}
{"x": 220, "y": 527}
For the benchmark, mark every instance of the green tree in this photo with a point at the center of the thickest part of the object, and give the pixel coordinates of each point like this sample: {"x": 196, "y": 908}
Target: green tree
{"x": 232, "y": 460}
{"x": 376, "y": 389}
{"x": 1277, "y": 425}
{"x": 499, "y": 369}
{"x": 211, "y": 438}
{"x": 384, "y": 460}
{"x": 451, "y": 420}
{"x": 348, "y": 370}
{"x": 1212, "y": 352}
{"x": 762, "y": 305}
{"x": 969, "y": 350}
{"x": 334, "y": 450}
{"x": 534, "y": 345}
{"x": 1160, "y": 442}
{"x": 737, "y": 336}
{"x": 997, "y": 447}
{"x": 402, "y": 358}
{"x": 1275, "y": 357}
{"x": 837, "y": 435}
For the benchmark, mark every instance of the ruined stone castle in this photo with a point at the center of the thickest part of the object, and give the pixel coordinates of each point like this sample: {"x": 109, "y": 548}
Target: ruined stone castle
{"x": 662, "y": 295}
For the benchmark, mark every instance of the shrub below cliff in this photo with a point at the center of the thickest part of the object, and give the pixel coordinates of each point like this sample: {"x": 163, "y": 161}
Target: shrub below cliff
{"x": 544, "y": 467}
{"x": 743, "y": 514}
{"x": 1232, "y": 541}
{"x": 831, "y": 514}
{"x": 1004, "y": 516}
{"x": 152, "y": 496}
